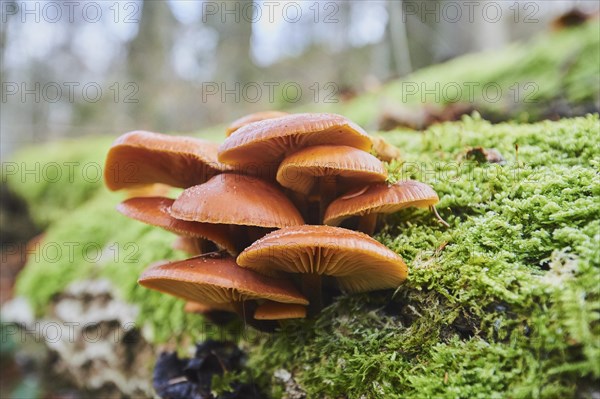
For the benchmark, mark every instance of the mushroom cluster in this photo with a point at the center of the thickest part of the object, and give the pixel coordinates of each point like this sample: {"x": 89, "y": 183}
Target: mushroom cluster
{"x": 277, "y": 218}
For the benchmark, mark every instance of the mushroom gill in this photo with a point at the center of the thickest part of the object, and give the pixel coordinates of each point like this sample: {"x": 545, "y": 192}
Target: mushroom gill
{"x": 237, "y": 196}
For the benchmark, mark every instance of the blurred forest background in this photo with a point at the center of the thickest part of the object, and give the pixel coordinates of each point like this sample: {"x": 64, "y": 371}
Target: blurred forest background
{"x": 108, "y": 67}
{"x": 91, "y": 68}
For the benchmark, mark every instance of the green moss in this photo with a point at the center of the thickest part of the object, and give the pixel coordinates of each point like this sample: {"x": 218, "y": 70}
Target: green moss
{"x": 504, "y": 303}
{"x": 95, "y": 241}
{"x": 58, "y": 177}
{"x": 562, "y": 67}
{"x": 524, "y": 81}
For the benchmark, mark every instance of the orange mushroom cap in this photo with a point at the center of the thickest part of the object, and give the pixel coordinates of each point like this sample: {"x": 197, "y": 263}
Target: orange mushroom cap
{"x": 189, "y": 245}
{"x": 217, "y": 280}
{"x": 279, "y": 311}
{"x": 299, "y": 171}
{"x": 255, "y": 117}
{"x": 385, "y": 151}
{"x": 148, "y": 190}
{"x": 203, "y": 308}
{"x": 357, "y": 261}
{"x": 238, "y": 200}
{"x": 155, "y": 211}
{"x": 140, "y": 158}
{"x": 380, "y": 198}
{"x": 268, "y": 141}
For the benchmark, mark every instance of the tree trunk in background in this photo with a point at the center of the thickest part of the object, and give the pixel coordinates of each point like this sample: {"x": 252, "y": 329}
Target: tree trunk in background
{"x": 231, "y": 58}
{"x": 398, "y": 39}
{"x": 149, "y": 62}
{"x": 233, "y": 50}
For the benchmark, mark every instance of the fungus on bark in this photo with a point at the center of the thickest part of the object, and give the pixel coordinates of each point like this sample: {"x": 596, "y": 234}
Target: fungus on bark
{"x": 234, "y": 197}
{"x": 381, "y": 198}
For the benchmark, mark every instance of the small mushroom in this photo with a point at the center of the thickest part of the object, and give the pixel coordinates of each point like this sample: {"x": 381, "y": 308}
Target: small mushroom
{"x": 201, "y": 308}
{"x": 237, "y": 200}
{"x": 482, "y": 155}
{"x": 331, "y": 168}
{"x": 255, "y": 117}
{"x": 384, "y": 150}
{"x": 155, "y": 211}
{"x": 230, "y": 198}
{"x": 370, "y": 201}
{"x": 358, "y": 262}
{"x": 218, "y": 281}
{"x": 149, "y": 190}
{"x": 219, "y": 314}
{"x": 191, "y": 246}
{"x": 270, "y": 310}
{"x": 140, "y": 158}
{"x": 258, "y": 147}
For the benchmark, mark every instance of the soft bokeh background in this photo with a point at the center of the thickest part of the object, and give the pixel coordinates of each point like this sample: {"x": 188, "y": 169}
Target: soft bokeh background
{"x": 95, "y": 69}
{"x": 110, "y": 66}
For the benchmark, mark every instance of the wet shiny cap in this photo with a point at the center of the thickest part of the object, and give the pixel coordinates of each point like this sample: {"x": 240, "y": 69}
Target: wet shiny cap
{"x": 238, "y": 200}
{"x": 357, "y": 261}
{"x": 380, "y": 198}
{"x": 348, "y": 165}
{"x": 269, "y": 141}
{"x": 156, "y": 212}
{"x": 255, "y": 117}
{"x": 217, "y": 280}
{"x": 140, "y": 158}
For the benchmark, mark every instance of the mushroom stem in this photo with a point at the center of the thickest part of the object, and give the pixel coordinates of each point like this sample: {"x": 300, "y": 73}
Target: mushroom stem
{"x": 194, "y": 246}
{"x": 239, "y": 236}
{"x": 327, "y": 193}
{"x": 439, "y": 218}
{"x": 367, "y": 223}
{"x": 202, "y": 246}
{"x": 311, "y": 288}
{"x": 219, "y": 317}
{"x": 255, "y": 233}
{"x": 245, "y": 310}
{"x": 299, "y": 201}
{"x": 242, "y": 310}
